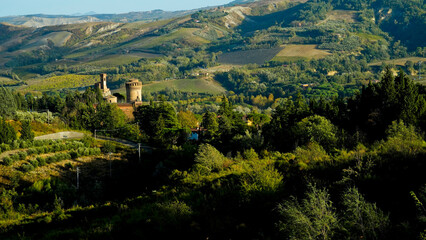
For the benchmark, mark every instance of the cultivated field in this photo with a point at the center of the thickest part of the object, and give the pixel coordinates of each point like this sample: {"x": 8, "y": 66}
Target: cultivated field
{"x": 294, "y": 52}
{"x": 369, "y": 37}
{"x": 62, "y": 82}
{"x": 185, "y": 85}
{"x": 342, "y": 15}
{"x": 399, "y": 61}
{"x": 257, "y": 56}
{"x": 114, "y": 60}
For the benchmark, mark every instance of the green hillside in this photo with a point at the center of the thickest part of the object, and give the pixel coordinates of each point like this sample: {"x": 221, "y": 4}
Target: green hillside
{"x": 185, "y": 85}
{"x": 267, "y": 119}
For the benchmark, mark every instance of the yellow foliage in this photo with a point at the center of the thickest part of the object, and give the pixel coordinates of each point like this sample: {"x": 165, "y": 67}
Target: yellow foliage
{"x": 64, "y": 81}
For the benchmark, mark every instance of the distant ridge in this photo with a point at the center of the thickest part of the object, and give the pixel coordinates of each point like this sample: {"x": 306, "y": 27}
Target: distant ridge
{"x": 42, "y": 20}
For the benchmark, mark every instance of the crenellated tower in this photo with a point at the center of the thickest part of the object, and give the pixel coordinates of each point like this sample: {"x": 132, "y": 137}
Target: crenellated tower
{"x": 134, "y": 91}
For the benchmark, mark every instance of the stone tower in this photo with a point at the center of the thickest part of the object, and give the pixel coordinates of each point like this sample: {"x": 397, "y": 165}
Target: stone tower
{"x": 103, "y": 80}
{"x": 134, "y": 91}
{"x": 102, "y": 85}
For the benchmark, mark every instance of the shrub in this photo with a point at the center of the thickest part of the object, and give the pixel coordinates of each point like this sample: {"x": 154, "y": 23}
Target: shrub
{"x": 108, "y": 147}
{"x": 15, "y": 145}
{"x": 209, "y": 158}
{"x": 50, "y": 159}
{"x": 69, "y": 166}
{"x": 314, "y": 216}
{"x": 311, "y": 156}
{"x": 402, "y": 139}
{"x": 31, "y": 151}
{"x": 22, "y": 155}
{"x": 34, "y": 163}
{"x": 41, "y": 161}
{"x": 14, "y": 157}
{"x": 45, "y": 149}
{"x": 56, "y": 148}
{"x": 27, "y": 167}
{"x": 5, "y": 147}
{"x": 39, "y": 143}
{"x": 88, "y": 141}
{"x": 86, "y": 152}
{"x": 24, "y": 144}
{"x": 7, "y": 161}
{"x": 74, "y": 155}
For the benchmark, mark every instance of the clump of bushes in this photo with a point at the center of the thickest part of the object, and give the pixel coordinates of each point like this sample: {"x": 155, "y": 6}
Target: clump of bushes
{"x": 27, "y": 167}
{"x": 7, "y": 161}
{"x": 41, "y": 161}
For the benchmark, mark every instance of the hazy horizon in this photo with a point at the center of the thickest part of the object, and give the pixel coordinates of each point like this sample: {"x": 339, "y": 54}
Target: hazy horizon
{"x": 57, "y": 7}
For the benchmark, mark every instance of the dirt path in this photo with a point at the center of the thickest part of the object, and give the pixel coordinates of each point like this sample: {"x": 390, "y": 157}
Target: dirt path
{"x": 61, "y": 135}
{"x": 7, "y": 153}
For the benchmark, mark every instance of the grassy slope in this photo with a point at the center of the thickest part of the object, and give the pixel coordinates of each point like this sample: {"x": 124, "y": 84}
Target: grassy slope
{"x": 186, "y": 34}
{"x": 7, "y": 81}
{"x": 258, "y": 56}
{"x": 184, "y": 85}
{"x": 341, "y": 15}
{"x": 296, "y": 51}
{"x": 58, "y": 38}
{"x": 399, "y": 61}
{"x": 61, "y": 82}
{"x": 114, "y": 60}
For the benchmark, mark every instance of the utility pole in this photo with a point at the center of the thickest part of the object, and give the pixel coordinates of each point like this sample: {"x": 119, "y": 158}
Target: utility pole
{"x": 110, "y": 164}
{"x": 78, "y": 178}
{"x": 420, "y": 70}
{"x": 139, "y": 150}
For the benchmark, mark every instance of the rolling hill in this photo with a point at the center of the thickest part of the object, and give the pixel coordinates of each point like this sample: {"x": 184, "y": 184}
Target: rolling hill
{"x": 42, "y": 20}
{"x": 243, "y": 32}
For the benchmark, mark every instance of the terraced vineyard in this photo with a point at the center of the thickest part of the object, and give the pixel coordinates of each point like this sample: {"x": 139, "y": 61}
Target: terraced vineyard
{"x": 62, "y": 82}
{"x": 43, "y": 159}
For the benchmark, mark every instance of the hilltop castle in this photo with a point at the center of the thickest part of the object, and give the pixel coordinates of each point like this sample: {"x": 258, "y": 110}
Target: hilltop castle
{"x": 133, "y": 94}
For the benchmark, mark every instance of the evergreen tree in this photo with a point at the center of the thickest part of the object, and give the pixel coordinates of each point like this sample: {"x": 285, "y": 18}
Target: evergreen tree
{"x": 26, "y": 131}
{"x": 279, "y": 131}
{"x": 159, "y": 122}
{"x": 8, "y": 102}
{"x": 7, "y": 133}
{"x": 210, "y": 124}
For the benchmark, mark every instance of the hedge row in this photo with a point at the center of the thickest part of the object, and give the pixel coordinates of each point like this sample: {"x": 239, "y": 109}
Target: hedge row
{"x": 40, "y": 161}
{"x": 19, "y": 144}
{"x": 53, "y": 147}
